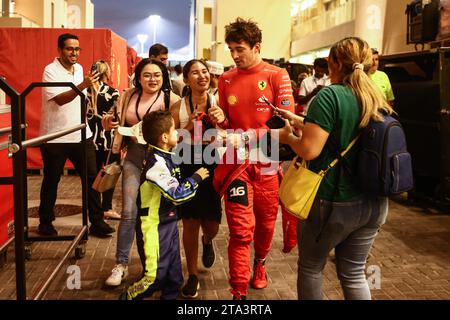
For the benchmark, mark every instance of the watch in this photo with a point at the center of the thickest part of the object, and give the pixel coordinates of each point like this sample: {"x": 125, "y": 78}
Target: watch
{"x": 245, "y": 137}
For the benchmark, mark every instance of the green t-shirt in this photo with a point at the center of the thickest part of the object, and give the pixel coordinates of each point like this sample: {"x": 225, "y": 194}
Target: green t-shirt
{"x": 382, "y": 81}
{"x": 336, "y": 110}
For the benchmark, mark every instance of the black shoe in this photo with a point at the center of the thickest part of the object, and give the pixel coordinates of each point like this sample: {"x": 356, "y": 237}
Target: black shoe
{"x": 47, "y": 229}
{"x": 103, "y": 227}
{"x": 209, "y": 256}
{"x": 100, "y": 230}
{"x": 190, "y": 289}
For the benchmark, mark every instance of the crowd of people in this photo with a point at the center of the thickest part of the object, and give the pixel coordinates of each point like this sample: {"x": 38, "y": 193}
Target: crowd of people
{"x": 173, "y": 117}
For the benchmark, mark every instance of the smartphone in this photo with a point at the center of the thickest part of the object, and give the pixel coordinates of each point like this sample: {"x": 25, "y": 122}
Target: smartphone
{"x": 276, "y": 122}
{"x": 94, "y": 67}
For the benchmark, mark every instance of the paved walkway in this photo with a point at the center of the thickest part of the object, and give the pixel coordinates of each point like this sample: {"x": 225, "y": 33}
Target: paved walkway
{"x": 412, "y": 254}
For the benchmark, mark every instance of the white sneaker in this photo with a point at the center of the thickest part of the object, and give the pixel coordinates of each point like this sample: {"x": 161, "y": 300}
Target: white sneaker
{"x": 119, "y": 273}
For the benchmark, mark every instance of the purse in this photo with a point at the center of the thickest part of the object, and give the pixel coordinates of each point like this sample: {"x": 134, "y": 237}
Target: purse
{"x": 108, "y": 176}
{"x": 299, "y": 186}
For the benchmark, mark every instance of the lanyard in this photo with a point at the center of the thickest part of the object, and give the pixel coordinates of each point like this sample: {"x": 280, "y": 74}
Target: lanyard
{"x": 148, "y": 110}
{"x": 191, "y": 106}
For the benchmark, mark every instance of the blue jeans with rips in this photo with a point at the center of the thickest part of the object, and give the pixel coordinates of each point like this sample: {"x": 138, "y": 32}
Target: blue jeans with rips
{"x": 131, "y": 174}
{"x": 348, "y": 227}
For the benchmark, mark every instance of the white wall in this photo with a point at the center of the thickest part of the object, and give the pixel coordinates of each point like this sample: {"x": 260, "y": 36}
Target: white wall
{"x": 204, "y": 31}
{"x": 38, "y": 13}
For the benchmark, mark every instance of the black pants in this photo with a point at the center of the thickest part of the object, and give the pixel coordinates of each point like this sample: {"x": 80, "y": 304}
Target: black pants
{"x": 101, "y": 157}
{"x": 54, "y": 156}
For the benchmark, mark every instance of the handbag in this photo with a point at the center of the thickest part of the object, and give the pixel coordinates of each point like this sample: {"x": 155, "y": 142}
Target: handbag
{"x": 108, "y": 176}
{"x": 299, "y": 186}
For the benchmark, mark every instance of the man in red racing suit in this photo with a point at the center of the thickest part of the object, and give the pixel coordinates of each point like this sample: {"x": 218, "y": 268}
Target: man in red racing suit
{"x": 250, "y": 189}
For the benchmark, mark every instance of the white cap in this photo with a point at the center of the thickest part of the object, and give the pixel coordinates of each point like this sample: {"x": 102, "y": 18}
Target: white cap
{"x": 134, "y": 131}
{"x": 215, "y": 67}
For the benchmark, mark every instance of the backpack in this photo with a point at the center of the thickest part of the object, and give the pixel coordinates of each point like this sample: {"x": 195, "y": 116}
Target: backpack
{"x": 384, "y": 164}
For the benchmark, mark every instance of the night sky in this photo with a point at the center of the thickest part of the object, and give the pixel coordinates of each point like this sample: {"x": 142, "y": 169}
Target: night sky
{"x": 128, "y": 18}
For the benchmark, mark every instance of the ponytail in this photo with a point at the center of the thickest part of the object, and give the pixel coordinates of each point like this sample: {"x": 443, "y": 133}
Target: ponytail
{"x": 356, "y": 58}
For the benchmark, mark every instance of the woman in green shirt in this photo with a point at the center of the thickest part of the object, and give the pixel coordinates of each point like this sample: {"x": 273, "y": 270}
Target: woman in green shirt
{"x": 342, "y": 217}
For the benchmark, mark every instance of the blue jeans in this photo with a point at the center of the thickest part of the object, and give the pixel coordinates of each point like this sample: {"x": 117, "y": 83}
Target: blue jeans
{"x": 131, "y": 174}
{"x": 348, "y": 227}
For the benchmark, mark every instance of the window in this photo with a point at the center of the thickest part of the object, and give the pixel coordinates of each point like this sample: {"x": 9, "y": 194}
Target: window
{"x": 207, "y": 15}
{"x": 206, "y": 54}
{"x": 53, "y": 15}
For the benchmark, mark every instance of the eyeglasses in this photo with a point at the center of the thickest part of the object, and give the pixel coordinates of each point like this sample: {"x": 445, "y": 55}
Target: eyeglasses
{"x": 73, "y": 49}
{"x": 147, "y": 75}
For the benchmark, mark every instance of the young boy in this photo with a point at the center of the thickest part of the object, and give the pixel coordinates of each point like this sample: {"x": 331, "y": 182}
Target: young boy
{"x": 160, "y": 191}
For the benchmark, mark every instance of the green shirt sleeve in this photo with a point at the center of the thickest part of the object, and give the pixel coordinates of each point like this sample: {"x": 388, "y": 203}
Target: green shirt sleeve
{"x": 322, "y": 110}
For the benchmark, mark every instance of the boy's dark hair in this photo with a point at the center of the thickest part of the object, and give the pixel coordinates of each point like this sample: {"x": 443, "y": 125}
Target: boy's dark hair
{"x": 62, "y": 38}
{"x": 243, "y": 30}
{"x": 374, "y": 51}
{"x": 155, "y": 124}
{"x": 321, "y": 63}
{"x": 157, "y": 49}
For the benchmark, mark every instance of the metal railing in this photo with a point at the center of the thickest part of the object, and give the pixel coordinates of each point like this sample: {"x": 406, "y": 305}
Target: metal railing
{"x": 18, "y": 150}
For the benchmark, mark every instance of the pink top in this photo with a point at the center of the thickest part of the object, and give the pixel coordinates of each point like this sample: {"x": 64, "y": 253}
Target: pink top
{"x": 155, "y": 103}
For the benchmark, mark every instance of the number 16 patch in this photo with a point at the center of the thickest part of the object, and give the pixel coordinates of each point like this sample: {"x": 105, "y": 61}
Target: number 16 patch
{"x": 237, "y": 192}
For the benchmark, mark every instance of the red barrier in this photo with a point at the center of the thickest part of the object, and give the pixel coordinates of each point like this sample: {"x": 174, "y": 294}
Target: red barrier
{"x": 6, "y": 191}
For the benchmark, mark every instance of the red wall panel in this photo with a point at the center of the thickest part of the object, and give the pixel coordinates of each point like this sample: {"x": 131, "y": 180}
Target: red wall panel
{"x": 6, "y": 191}
{"x": 24, "y": 53}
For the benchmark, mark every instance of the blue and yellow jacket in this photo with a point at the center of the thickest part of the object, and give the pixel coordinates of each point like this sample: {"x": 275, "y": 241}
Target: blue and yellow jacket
{"x": 161, "y": 189}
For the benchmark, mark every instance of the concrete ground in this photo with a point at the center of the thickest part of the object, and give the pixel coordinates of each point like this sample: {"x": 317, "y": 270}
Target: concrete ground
{"x": 411, "y": 255}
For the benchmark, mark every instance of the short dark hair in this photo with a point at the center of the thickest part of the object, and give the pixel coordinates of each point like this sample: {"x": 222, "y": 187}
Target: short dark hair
{"x": 243, "y": 30}
{"x": 321, "y": 63}
{"x": 155, "y": 124}
{"x": 157, "y": 49}
{"x": 62, "y": 39}
{"x": 374, "y": 51}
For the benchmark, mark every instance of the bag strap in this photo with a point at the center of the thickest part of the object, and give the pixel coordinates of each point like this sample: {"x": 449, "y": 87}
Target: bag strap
{"x": 110, "y": 148}
{"x": 335, "y": 161}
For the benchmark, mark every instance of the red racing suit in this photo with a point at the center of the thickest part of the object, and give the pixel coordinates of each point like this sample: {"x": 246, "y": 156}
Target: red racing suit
{"x": 251, "y": 195}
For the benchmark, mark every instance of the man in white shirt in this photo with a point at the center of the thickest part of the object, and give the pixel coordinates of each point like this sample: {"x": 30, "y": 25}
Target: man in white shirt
{"x": 61, "y": 109}
{"x": 312, "y": 84}
{"x": 215, "y": 70}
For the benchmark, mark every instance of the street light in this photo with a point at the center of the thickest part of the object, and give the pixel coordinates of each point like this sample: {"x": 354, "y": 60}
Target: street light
{"x": 154, "y": 19}
{"x": 142, "y": 38}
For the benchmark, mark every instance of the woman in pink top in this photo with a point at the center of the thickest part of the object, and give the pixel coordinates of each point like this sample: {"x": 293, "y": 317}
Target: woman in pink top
{"x": 151, "y": 93}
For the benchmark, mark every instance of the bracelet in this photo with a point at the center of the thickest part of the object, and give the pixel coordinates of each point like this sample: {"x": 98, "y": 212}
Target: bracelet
{"x": 245, "y": 137}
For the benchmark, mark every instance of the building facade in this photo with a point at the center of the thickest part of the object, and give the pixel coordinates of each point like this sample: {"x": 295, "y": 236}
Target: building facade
{"x": 317, "y": 24}
{"x": 47, "y": 13}
{"x": 273, "y": 17}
